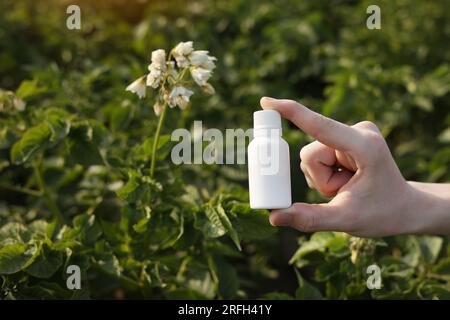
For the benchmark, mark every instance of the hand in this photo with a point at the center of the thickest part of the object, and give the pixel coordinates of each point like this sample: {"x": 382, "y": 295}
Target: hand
{"x": 353, "y": 166}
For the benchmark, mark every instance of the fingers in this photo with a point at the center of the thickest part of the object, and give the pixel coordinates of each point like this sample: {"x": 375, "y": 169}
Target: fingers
{"x": 367, "y": 125}
{"x": 311, "y": 217}
{"x": 328, "y": 131}
{"x": 308, "y": 178}
{"x": 318, "y": 163}
{"x": 330, "y": 187}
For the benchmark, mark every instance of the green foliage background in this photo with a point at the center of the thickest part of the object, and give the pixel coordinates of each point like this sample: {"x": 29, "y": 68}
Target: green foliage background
{"x": 74, "y": 185}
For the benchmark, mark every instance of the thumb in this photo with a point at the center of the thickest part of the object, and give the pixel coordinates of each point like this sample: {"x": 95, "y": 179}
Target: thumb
{"x": 328, "y": 131}
{"x": 309, "y": 217}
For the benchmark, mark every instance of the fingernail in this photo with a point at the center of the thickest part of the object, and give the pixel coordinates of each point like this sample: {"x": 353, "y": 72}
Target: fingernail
{"x": 269, "y": 98}
{"x": 280, "y": 219}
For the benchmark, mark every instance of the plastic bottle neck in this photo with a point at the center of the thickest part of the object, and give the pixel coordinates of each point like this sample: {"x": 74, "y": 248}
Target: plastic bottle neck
{"x": 267, "y": 132}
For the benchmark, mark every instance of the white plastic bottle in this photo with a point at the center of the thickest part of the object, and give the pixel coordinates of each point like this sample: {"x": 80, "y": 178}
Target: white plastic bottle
{"x": 268, "y": 163}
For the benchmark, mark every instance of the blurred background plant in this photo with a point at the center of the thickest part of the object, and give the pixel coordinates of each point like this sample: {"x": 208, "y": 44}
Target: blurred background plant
{"x": 75, "y": 148}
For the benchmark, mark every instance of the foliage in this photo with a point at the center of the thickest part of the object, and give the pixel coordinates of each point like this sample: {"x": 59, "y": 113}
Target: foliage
{"x": 75, "y": 148}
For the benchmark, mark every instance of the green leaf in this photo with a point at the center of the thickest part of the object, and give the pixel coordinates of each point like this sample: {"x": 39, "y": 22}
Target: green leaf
{"x": 396, "y": 267}
{"x": 305, "y": 290}
{"x": 132, "y": 184}
{"x": 86, "y": 229}
{"x": 13, "y": 258}
{"x": 28, "y": 89}
{"x": 277, "y": 296}
{"x": 53, "y": 128}
{"x": 251, "y": 224}
{"x": 85, "y": 153}
{"x": 431, "y": 289}
{"x": 444, "y": 136}
{"x": 83, "y": 148}
{"x": 430, "y": 247}
{"x": 227, "y": 278}
{"x": 227, "y": 223}
{"x": 141, "y": 225}
{"x": 145, "y": 150}
{"x": 32, "y": 141}
{"x": 14, "y": 232}
{"x": 412, "y": 252}
{"x": 319, "y": 241}
{"x": 442, "y": 267}
{"x": 47, "y": 290}
{"x": 112, "y": 231}
{"x": 223, "y": 249}
{"x": 83, "y": 142}
{"x": 171, "y": 240}
{"x": 59, "y": 123}
{"x": 326, "y": 270}
{"x": 140, "y": 189}
{"x": 39, "y": 229}
{"x": 106, "y": 259}
{"x": 121, "y": 116}
{"x": 199, "y": 280}
{"x": 46, "y": 262}
{"x": 213, "y": 226}
{"x": 61, "y": 245}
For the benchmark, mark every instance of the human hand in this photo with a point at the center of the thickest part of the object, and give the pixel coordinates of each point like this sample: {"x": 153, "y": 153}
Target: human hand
{"x": 353, "y": 166}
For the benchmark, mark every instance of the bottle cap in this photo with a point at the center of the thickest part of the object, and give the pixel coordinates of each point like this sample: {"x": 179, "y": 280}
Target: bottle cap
{"x": 266, "y": 119}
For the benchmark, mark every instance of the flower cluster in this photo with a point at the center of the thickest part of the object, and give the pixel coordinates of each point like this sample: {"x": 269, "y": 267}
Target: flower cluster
{"x": 169, "y": 75}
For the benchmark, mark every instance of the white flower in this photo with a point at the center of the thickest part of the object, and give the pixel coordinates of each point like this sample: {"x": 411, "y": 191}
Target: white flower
{"x": 159, "y": 57}
{"x": 209, "y": 64}
{"x": 158, "y": 107}
{"x": 19, "y": 104}
{"x": 184, "y": 48}
{"x": 179, "y": 96}
{"x": 180, "y": 53}
{"x": 200, "y": 75}
{"x": 202, "y": 65}
{"x": 157, "y": 68}
{"x": 200, "y": 58}
{"x": 208, "y": 89}
{"x": 172, "y": 70}
{"x": 138, "y": 87}
{"x": 166, "y": 95}
{"x": 154, "y": 77}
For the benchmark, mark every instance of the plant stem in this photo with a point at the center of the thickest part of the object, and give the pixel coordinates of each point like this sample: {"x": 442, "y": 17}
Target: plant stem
{"x": 442, "y": 277}
{"x": 156, "y": 140}
{"x": 47, "y": 197}
{"x": 30, "y": 192}
{"x": 161, "y": 118}
{"x": 124, "y": 279}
